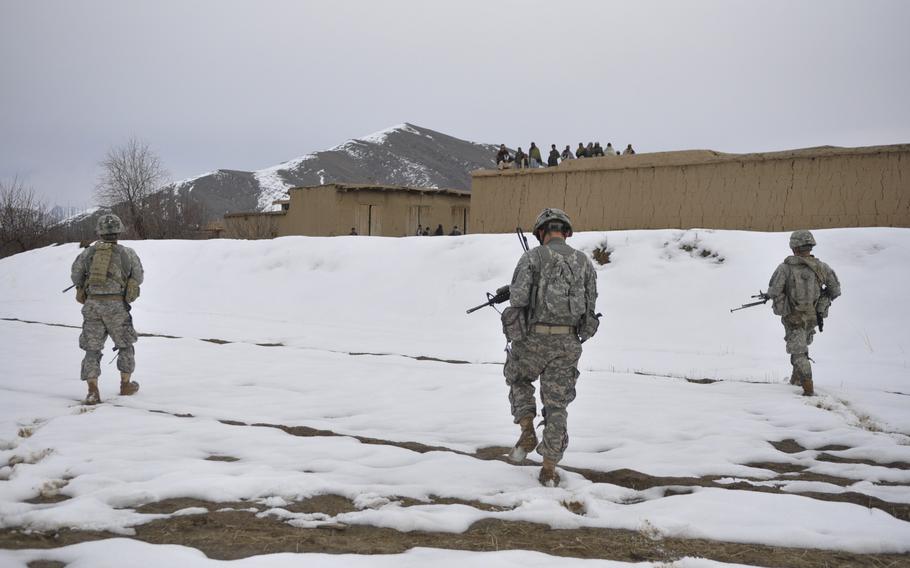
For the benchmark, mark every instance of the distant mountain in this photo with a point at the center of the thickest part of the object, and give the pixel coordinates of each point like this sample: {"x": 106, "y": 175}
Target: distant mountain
{"x": 406, "y": 155}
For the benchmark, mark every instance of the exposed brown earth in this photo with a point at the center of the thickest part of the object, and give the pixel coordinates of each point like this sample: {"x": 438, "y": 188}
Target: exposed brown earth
{"x": 231, "y": 535}
{"x": 239, "y": 533}
{"x": 639, "y": 481}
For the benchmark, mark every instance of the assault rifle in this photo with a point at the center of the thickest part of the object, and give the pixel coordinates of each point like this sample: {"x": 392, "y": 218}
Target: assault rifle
{"x": 502, "y": 293}
{"x": 764, "y": 299}
{"x": 68, "y": 289}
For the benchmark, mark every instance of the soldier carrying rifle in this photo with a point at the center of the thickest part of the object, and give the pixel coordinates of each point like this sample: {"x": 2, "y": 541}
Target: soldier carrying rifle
{"x": 552, "y": 297}
{"x": 801, "y": 290}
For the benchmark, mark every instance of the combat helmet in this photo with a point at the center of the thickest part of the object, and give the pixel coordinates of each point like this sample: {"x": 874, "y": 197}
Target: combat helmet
{"x": 553, "y": 214}
{"x": 801, "y": 238}
{"x": 109, "y": 224}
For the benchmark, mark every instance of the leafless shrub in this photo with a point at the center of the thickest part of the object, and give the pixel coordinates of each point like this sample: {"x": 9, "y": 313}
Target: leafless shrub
{"x": 24, "y": 219}
{"x": 251, "y": 225}
{"x": 602, "y": 252}
{"x": 173, "y": 216}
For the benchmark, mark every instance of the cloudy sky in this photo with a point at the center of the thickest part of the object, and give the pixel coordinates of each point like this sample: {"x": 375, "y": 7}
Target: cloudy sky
{"x": 248, "y": 84}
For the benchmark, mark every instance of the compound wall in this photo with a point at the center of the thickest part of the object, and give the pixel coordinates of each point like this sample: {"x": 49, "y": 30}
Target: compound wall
{"x": 812, "y": 188}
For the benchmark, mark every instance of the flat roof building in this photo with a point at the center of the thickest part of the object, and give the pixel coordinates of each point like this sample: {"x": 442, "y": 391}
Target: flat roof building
{"x": 337, "y": 208}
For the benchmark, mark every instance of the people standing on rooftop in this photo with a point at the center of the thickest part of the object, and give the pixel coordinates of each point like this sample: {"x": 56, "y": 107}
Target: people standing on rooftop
{"x": 534, "y": 156}
{"x": 589, "y": 150}
{"x": 567, "y": 154}
{"x": 609, "y": 151}
{"x": 521, "y": 159}
{"x": 580, "y": 151}
{"x": 503, "y": 157}
{"x": 553, "y": 158}
{"x": 598, "y": 151}
{"x": 628, "y": 151}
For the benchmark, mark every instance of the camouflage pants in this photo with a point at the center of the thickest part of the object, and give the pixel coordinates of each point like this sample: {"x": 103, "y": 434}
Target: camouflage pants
{"x": 799, "y": 330}
{"x": 101, "y": 318}
{"x": 554, "y": 358}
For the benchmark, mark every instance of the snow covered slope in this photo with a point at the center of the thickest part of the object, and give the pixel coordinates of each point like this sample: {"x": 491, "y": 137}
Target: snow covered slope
{"x": 744, "y": 460}
{"x": 666, "y": 308}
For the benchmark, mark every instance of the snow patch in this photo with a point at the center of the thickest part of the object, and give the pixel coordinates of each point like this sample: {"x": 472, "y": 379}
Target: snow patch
{"x": 272, "y": 186}
{"x": 383, "y": 135}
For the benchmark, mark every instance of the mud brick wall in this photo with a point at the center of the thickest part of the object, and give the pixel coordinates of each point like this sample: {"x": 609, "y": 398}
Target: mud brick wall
{"x": 812, "y": 188}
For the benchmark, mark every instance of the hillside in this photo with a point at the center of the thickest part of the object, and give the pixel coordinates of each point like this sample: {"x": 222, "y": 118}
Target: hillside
{"x": 405, "y": 155}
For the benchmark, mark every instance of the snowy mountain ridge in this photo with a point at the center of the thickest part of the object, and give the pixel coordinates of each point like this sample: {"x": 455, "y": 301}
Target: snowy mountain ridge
{"x": 404, "y": 154}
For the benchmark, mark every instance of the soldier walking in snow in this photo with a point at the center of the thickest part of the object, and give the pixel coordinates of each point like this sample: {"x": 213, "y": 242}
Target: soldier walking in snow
{"x": 802, "y": 289}
{"x": 552, "y": 297}
{"x": 107, "y": 276}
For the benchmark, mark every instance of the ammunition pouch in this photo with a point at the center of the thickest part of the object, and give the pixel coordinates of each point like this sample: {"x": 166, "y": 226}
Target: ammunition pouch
{"x": 132, "y": 291}
{"x": 81, "y": 296}
{"x": 514, "y": 323}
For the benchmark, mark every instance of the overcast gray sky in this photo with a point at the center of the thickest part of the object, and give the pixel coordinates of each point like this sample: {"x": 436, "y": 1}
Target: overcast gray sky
{"x": 248, "y": 84}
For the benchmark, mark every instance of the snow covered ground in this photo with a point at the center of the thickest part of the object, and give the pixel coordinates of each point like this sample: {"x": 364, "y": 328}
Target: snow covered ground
{"x": 347, "y": 318}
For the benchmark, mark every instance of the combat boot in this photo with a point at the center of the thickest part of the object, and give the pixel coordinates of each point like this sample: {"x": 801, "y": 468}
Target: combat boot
{"x": 548, "y": 476}
{"x": 94, "y": 396}
{"x": 128, "y": 387}
{"x": 808, "y": 388}
{"x": 526, "y": 442}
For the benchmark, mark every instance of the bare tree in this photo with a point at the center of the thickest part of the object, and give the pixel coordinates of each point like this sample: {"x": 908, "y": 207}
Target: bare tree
{"x": 24, "y": 220}
{"x": 130, "y": 175}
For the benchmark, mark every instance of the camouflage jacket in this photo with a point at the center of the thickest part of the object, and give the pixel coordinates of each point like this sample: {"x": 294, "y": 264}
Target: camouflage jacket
{"x": 556, "y": 283}
{"x": 124, "y": 265}
{"x": 803, "y": 284}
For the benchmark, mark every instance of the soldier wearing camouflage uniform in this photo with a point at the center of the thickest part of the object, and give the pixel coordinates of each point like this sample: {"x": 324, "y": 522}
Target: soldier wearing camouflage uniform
{"x": 802, "y": 289}
{"x": 107, "y": 276}
{"x": 554, "y": 287}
